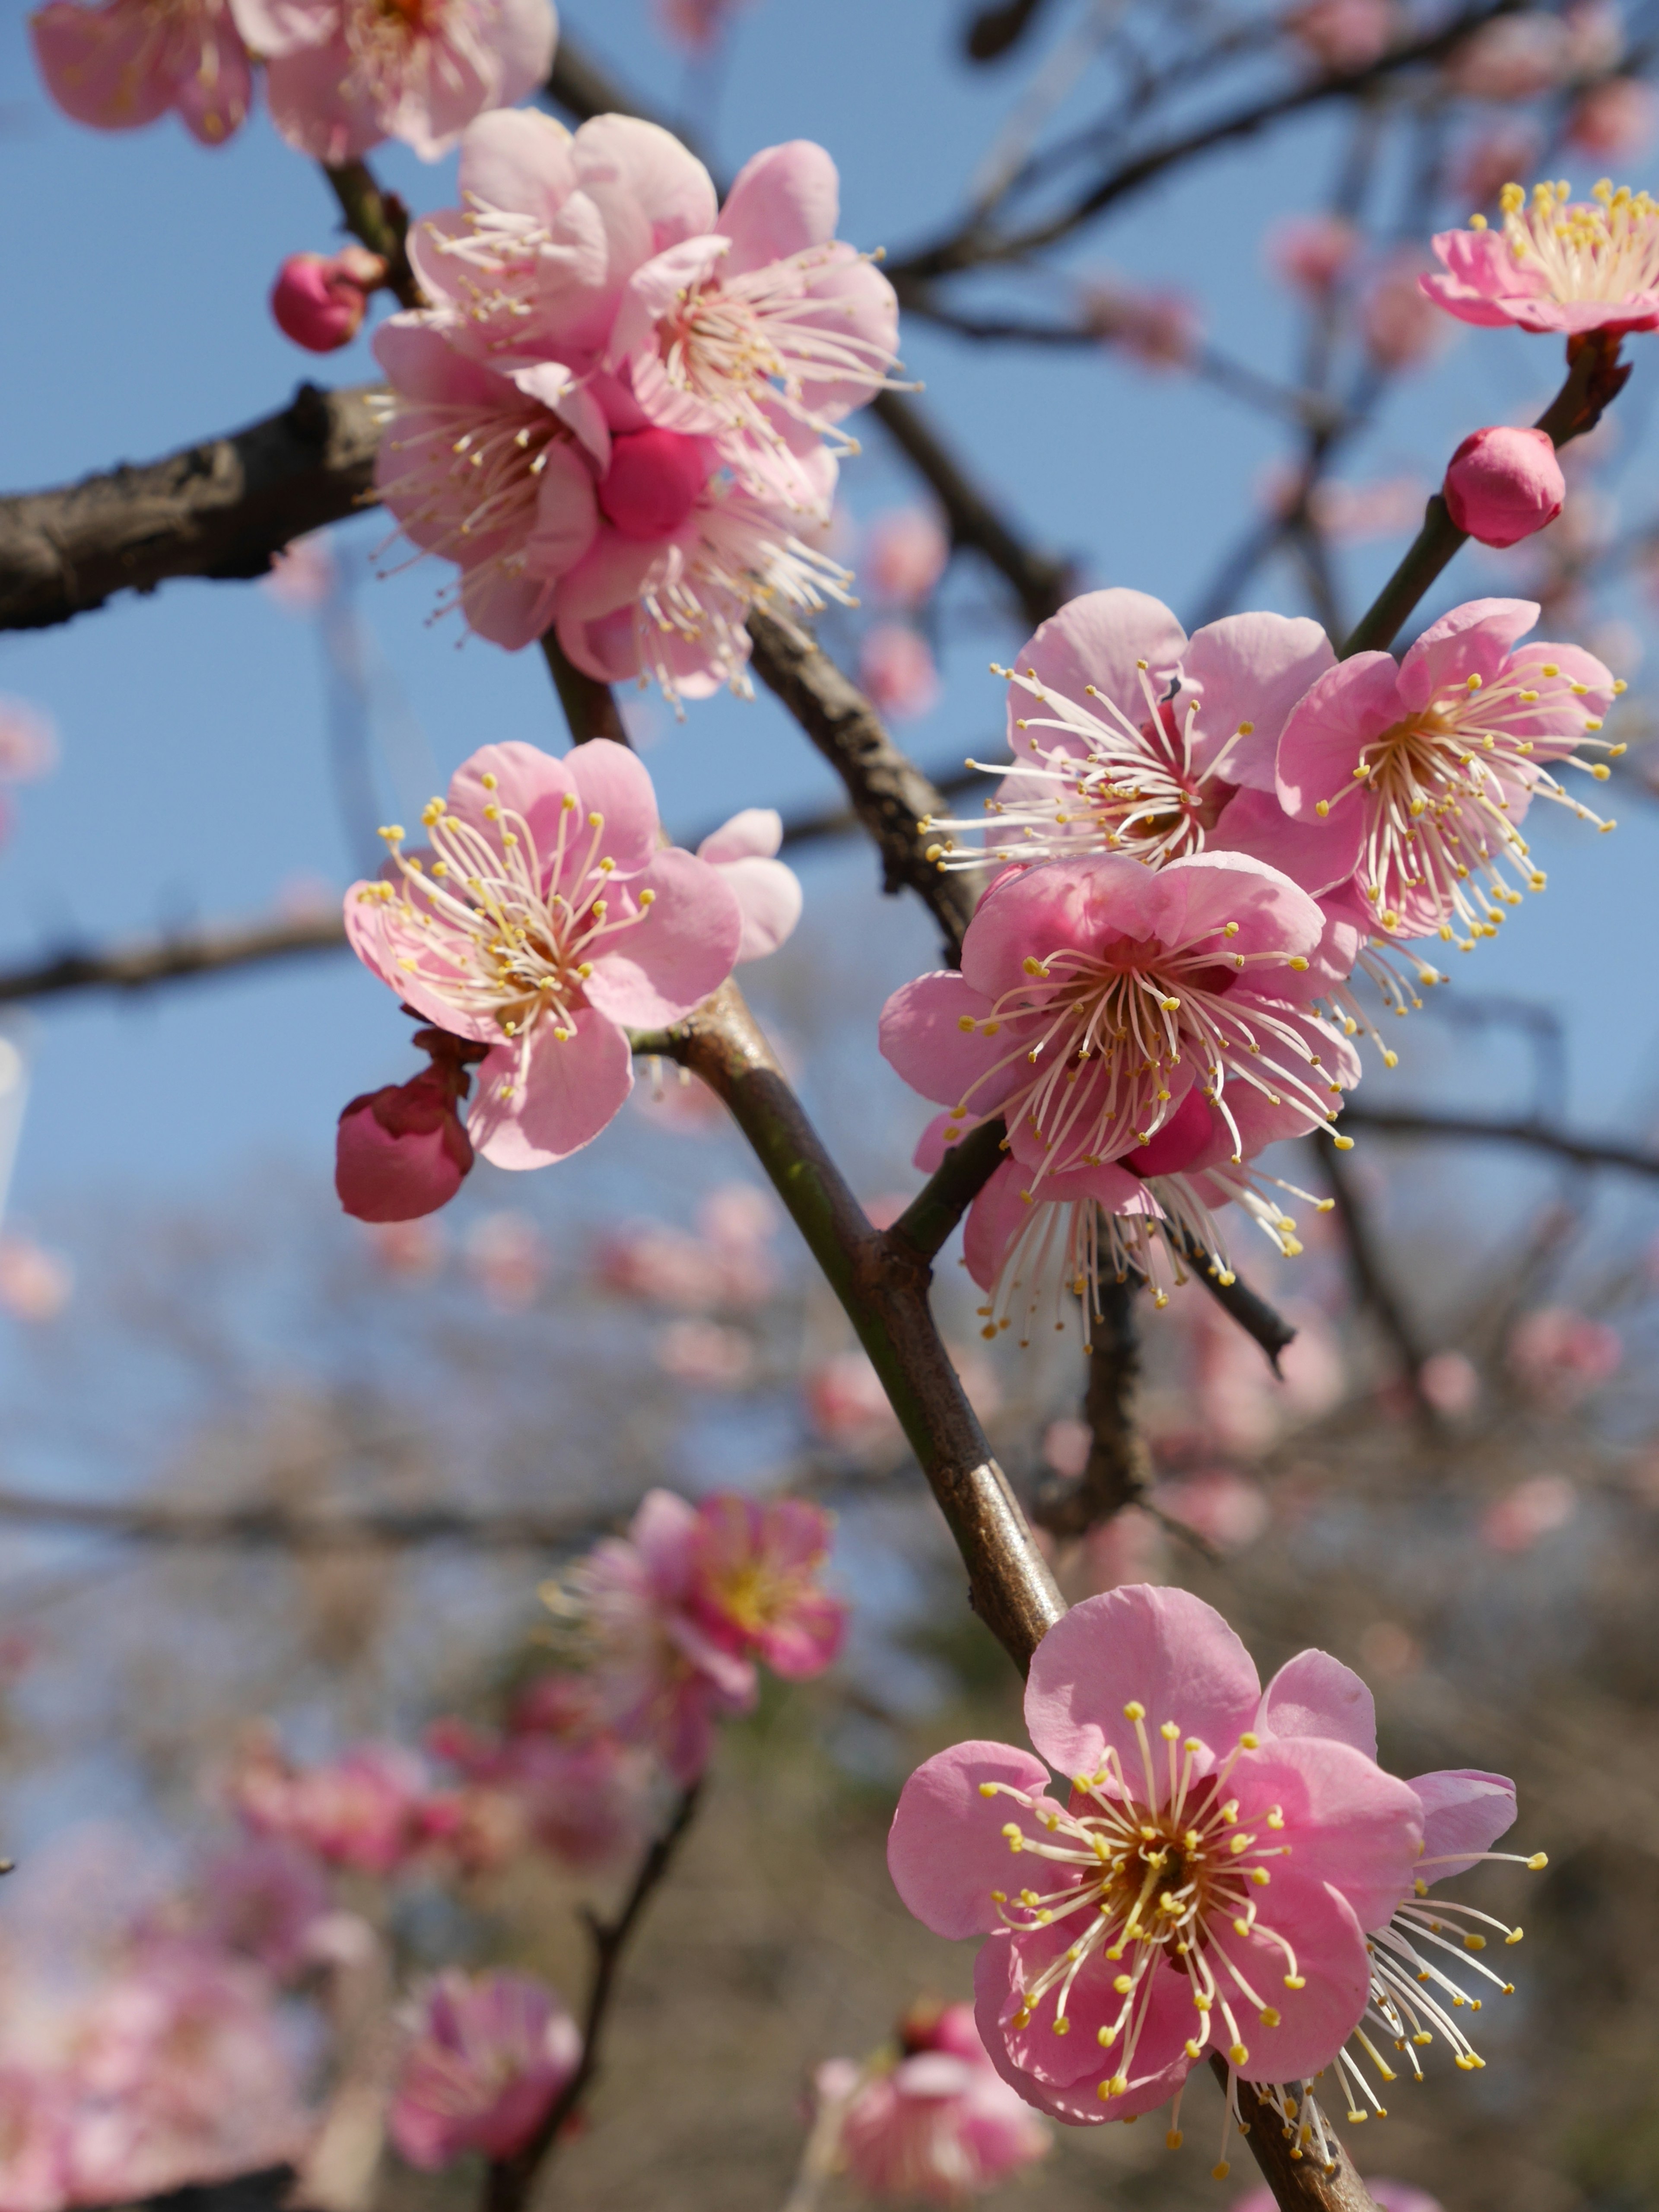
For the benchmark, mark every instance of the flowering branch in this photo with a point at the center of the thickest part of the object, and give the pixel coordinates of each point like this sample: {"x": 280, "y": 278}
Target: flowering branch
{"x": 511, "y": 2180}
{"x": 1595, "y": 376}
{"x": 380, "y": 221}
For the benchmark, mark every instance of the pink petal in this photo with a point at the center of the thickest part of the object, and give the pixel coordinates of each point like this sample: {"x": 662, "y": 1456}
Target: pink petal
{"x": 618, "y": 155}
{"x": 770, "y": 899}
{"x": 520, "y": 159}
{"x": 1195, "y": 898}
{"x": 1317, "y": 853}
{"x": 755, "y": 834}
{"x": 1315, "y": 2022}
{"x": 1329, "y": 730}
{"x": 784, "y": 199}
{"x": 1473, "y": 640}
{"x": 1464, "y": 1813}
{"x": 1163, "y": 1648}
{"x": 567, "y": 516}
{"x": 651, "y": 292}
{"x": 1099, "y": 638}
{"x": 614, "y": 783}
{"x": 1347, "y": 1822}
{"x": 664, "y": 1531}
{"x": 1070, "y": 902}
{"x": 214, "y": 99}
{"x": 511, "y": 611}
{"x": 1467, "y": 306}
{"x": 312, "y": 106}
{"x": 1081, "y": 2105}
{"x": 922, "y": 1038}
{"x": 272, "y": 28}
{"x": 684, "y": 947}
{"x": 527, "y": 782}
{"x": 571, "y": 1090}
{"x": 521, "y": 38}
{"x": 946, "y": 1851}
{"x": 1251, "y": 668}
{"x": 1314, "y": 1695}
{"x": 424, "y": 366}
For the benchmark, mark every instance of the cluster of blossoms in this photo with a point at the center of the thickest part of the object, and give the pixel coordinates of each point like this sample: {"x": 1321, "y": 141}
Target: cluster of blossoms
{"x": 544, "y": 917}
{"x": 340, "y": 75}
{"x": 620, "y": 416}
{"x": 1226, "y": 1870}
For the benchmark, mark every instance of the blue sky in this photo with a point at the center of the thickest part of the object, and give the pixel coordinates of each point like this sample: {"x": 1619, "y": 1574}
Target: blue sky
{"x": 195, "y": 779}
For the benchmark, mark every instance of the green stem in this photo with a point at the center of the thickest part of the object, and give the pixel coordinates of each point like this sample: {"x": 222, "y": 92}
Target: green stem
{"x": 1595, "y": 378}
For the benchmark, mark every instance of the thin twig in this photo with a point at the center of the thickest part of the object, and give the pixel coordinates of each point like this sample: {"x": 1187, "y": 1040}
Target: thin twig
{"x": 1119, "y": 1468}
{"x": 257, "y": 1528}
{"x": 1371, "y": 1275}
{"x": 380, "y": 221}
{"x": 1484, "y": 1129}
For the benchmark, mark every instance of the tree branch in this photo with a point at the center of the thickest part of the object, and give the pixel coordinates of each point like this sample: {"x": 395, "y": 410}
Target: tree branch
{"x": 1299, "y": 2182}
{"x": 1480, "y": 1128}
{"x": 204, "y": 951}
{"x": 1119, "y": 1468}
{"x": 257, "y": 1528}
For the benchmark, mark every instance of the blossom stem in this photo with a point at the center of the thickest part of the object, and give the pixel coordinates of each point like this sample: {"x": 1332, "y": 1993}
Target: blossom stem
{"x": 509, "y": 2182}
{"x": 1595, "y": 378}
{"x": 590, "y": 707}
{"x": 380, "y": 221}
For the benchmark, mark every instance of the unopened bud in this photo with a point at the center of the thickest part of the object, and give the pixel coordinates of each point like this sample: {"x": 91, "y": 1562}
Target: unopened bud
{"x": 1503, "y": 483}
{"x": 320, "y": 301}
{"x": 401, "y": 1151}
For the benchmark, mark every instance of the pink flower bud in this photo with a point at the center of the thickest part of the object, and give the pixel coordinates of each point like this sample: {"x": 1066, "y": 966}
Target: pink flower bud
{"x": 1614, "y": 121}
{"x": 652, "y": 481}
{"x": 1503, "y": 483}
{"x": 401, "y": 1151}
{"x": 320, "y": 303}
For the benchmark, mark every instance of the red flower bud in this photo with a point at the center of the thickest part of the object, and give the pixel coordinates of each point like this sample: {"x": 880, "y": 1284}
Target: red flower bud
{"x": 401, "y": 1151}
{"x": 320, "y": 303}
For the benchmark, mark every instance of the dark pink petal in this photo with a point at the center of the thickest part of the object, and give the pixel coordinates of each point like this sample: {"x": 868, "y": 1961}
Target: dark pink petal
{"x": 1100, "y": 639}
{"x": 1464, "y": 1813}
{"x": 1163, "y": 1648}
{"x": 1251, "y": 668}
{"x": 1314, "y": 1695}
{"x": 784, "y": 199}
{"x": 664, "y": 1532}
{"x": 1079, "y": 904}
{"x": 1346, "y": 1821}
{"x": 1315, "y": 2021}
{"x": 1195, "y": 898}
{"x": 573, "y": 1089}
{"x": 945, "y": 1850}
{"x": 511, "y": 611}
{"x": 1080, "y": 2104}
{"x": 684, "y": 946}
{"x": 922, "y": 1038}
{"x": 1473, "y": 640}
{"x": 1331, "y": 727}
{"x": 1317, "y": 852}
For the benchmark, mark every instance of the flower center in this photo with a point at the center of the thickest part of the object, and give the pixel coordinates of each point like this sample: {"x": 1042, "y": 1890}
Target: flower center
{"x": 469, "y": 483}
{"x": 1604, "y": 248}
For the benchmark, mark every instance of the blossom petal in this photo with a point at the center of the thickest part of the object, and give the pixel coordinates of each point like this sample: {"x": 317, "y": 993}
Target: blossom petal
{"x": 1317, "y": 852}
{"x": 1345, "y": 1821}
{"x": 756, "y": 834}
{"x": 684, "y": 947}
{"x": 525, "y": 781}
{"x": 1473, "y": 640}
{"x": 520, "y": 159}
{"x": 769, "y": 899}
{"x": 1102, "y": 638}
{"x": 923, "y": 1037}
{"x": 572, "y": 1089}
{"x": 1314, "y": 1695}
{"x": 1464, "y": 1813}
{"x": 784, "y": 199}
{"x": 1251, "y": 668}
{"x": 1331, "y": 1958}
{"x": 1329, "y": 728}
{"x": 613, "y": 782}
{"x": 1164, "y": 1649}
{"x": 945, "y": 1850}
{"x": 620, "y": 156}
{"x": 1080, "y": 2104}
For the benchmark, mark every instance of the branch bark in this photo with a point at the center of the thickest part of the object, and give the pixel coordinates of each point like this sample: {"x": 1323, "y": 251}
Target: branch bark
{"x": 1119, "y": 1468}
{"x": 1299, "y": 2184}
{"x": 257, "y": 1528}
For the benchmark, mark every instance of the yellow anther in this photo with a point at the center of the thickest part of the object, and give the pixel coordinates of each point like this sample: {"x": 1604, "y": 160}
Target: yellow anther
{"x": 1298, "y": 964}
{"x": 1296, "y": 1981}
{"x": 1232, "y": 930}
{"x": 1220, "y": 2171}
{"x": 647, "y": 898}
{"x": 1173, "y": 2140}
{"x": 1268, "y": 2016}
{"x": 1238, "y": 2054}
{"x": 1134, "y": 1710}
{"x": 1537, "y": 1862}
{"x": 990, "y": 1790}
{"x": 1473, "y": 1943}
{"x": 1248, "y": 1742}
{"x": 1123, "y": 1983}
{"x": 1169, "y": 1732}
{"x": 966, "y": 1023}
{"x": 488, "y": 782}
{"x": 392, "y": 833}
{"x": 1060, "y": 2025}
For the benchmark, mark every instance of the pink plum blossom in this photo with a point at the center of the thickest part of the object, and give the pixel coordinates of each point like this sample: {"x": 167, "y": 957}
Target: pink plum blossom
{"x": 1487, "y": 162}
{"x": 1560, "y": 1357}
{"x": 1344, "y": 35}
{"x": 360, "y": 1810}
{"x": 579, "y": 1797}
{"x": 302, "y": 576}
{"x": 125, "y": 62}
{"x": 905, "y": 552}
{"x": 1430, "y": 763}
{"x": 261, "y": 1901}
{"x": 767, "y": 890}
{"x": 1502, "y": 483}
{"x": 36, "y": 2109}
{"x": 699, "y": 24}
{"x": 727, "y": 1263}
{"x": 1227, "y": 1509}
{"x": 1399, "y": 328}
{"x": 1130, "y": 737}
{"x": 846, "y": 1404}
{"x": 35, "y": 1284}
{"x": 1534, "y": 1508}
{"x": 1451, "y": 1384}
{"x": 28, "y": 741}
{"x": 1512, "y": 58}
{"x": 506, "y": 1257}
{"x": 1559, "y": 264}
{"x": 1158, "y": 328}
{"x": 411, "y": 1248}
{"x": 343, "y": 75}
{"x": 543, "y": 917}
{"x": 756, "y": 1581}
{"x": 650, "y": 1672}
{"x": 487, "y": 2055}
{"x": 1614, "y": 121}
{"x": 939, "y": 2126}
{"x": 1314, "y": 252}
{"x": 1151, "y": 1706}
{"x": 897, "y": 670}
{"x": 320, "y": 300}
{"x": 707, "y": 1354}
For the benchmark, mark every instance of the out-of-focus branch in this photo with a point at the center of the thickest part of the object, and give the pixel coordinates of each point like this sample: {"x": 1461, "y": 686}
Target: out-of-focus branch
{"x": 890, "y": 794}
{"x": 259, "y": 1528}
{"x": 511, "y": 2180}
{"x": 204, "y": 951}
{"x": 1370, "y": 1276}
{"x": 219, "y": 510}
{"x": 1481, "y": 1129}
{"x": 1119, "y": 1468}
{"x": 994, "y": 30}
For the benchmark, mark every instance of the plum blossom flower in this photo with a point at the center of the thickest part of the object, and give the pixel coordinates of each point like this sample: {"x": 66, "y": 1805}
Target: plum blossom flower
{"x": 1344, "y": 35}
{"x": 123, "y": 64}
{"x": 1512, "y": 58}
{"x": 706, "y": 1353}
{"x": 1399, "y": 328}
{"x": 1157, "y": 327}
{"x": 488, "y": 2055}
{"x": 542, "y": 918}
{"x": 261, "y": 1901}
{"x": 1614, "y": 121}
{"x": 1314, "y": 252}
{"x": 342, "y": 74}
{"x": 725, "y": 1263}
{"x": 1206, "y": 1886}
{"x": 905, "y": 552}
{"x": 1560, "y": 1357}
{"x": 578, "y": 1795}
{"x": 847, "y": 1406}
{"x": 936, "y": 2124}
{"x": 320, "y": 299}
{"x": 506, "y": 1258}
{"x": 754, "y": 1582}
{"x": 36, "y": 2110}
{"x": 360, "y": 1810}
{"x": 897, "y": 670}
{"x": 1489, "y": 160}
{"x": 1534, "y": 1508}
{"x": 1132, "y": 737}
{"x": 1432, "y": 761}
{"x": 1557, "y": 264}
{"x": 767, "y": 890}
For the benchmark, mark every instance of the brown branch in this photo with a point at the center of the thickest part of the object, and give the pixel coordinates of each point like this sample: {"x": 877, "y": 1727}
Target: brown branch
{"x": 1371, "y": 1275}
{"x": 1119, "y": 1468}
{"x": 1299, "y": 2182}
{"x": 1477, "y": 1128}
{"x": 380, "y": 220}
{"x": 257, "y": 1528}
{"x": 511, "y": 2180}
{"x": 204, "y": 951}
{"x": 891, "y": 795}
{"x": 219, "y": 510}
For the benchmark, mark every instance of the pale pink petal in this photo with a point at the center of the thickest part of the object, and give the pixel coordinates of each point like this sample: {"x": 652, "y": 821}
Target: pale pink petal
{"x": 1314, "y": 1695}
{"x": 1318, "y": 852}
{"x": 571, "y": 1090}
{"x": 1473, "y": 640}
{"x": 755, "y": 834}
{"x": 1464, "y": 1813}
{"x": 90, "y": 59}
{"x": 1347, "y": 1822}
{"x": 670, "y": 187}
{"x": 518, "y": 159}
{"x": 1332, "y": 725}
{"x": 683, "y": 948}
{"x": 307, "y": 91}
{"x": 522, "y": 38}
{"x": 526, "y": 782}
{"x": 423, "y": 365}
{"x": 213, "y": 99}
{"x": 613, "y": 782}
{"x": 1100, "y": 639}
{"x": 1164, "y": 1649}
{"x": 511, "y": 610}
{"x": 784, "y": 199}
{"x": 567, "y": 516}
{"x": 1071, "y": 902}
{"x": 1251, "y": 668}
{"x": 923, "y": 1037}
{"x": 946, "y": 1851}
{"x": 272, "y": 28}
{"x": 770, "y": 899}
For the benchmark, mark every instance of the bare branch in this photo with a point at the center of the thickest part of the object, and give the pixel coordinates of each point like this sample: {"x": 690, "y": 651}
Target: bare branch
{"x": 1299, "y": 2182}
{"x": 204, "y": 951}
{"x": 258, "y": 1528}
{"x": 1119, "y": 1469}
{"x": 1483, "y": 1129}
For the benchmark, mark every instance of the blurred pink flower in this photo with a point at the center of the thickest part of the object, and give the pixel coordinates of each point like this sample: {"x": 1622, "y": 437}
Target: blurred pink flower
{"x": 124, "y": 63}
{"x": 1398, "y": 326}
{"x": 706, "y": 1354}
{"x": 28, "y": 741}
{"x": 1596, "y": 36}
{"x": 767, "y": 889}
{"x": 1533, "y": 1508}
{"x": 897, "y": 668}
{"x": 1614, "y": 121}
{"x": 756, "y": 1581}
{"x": 320, "y": 300}
{"x": 699, "y": 24}
{"x": 1450, "y": 1382}
{"x": 261, "y": 1900}
{"x": 1066, "y": 1444}
{"x": 488, "y": 2055}
{"x": 939, "y": 2127}
{"x": 581, "y": 1799}
{"x": 414, "y": 1248}
{"x": 1130, "y": 1547}
{"x": 360, "y": 1810}
{"x": 36, "y": 2109}
{"x": 35, "y": 1284}
{"x": 725, "y": 1263}
{"x": 906, "y": 551}
{"x": 1488, "y": 161}
{"x": 302, "y": 575}
{"x": 847, "y": 1404}
{"x": 1313, "y": 252}
{"x": 1560, "y": 1357}
{"x": 1344, "y": 35}
{"x": 1157, "y": 327}
{"x": 1243, "y": 1404}
{"x": 343, "y": 75}
{"x": 1512, "y": 58}
{"x": 1382, "y": 508}
{"x": 1226, "y": 1509}
{"x": 506, "y": 1257}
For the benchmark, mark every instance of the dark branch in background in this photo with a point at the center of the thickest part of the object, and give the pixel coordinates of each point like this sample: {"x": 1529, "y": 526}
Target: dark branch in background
{"x": 996, "y": 30}
{"x": 1479, "y": 1128}
{"x": 258, "y": 1528}
{"x": 1119, "y": 1469}
{"x": 587, "y": 703}
{"x": 160, "y": 960}
{"x": 1246, "y": 1307}
{"x": 219, "y": 510}
{"x": 511, "y": 2179}
{"x": 1370, "y": 1276}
